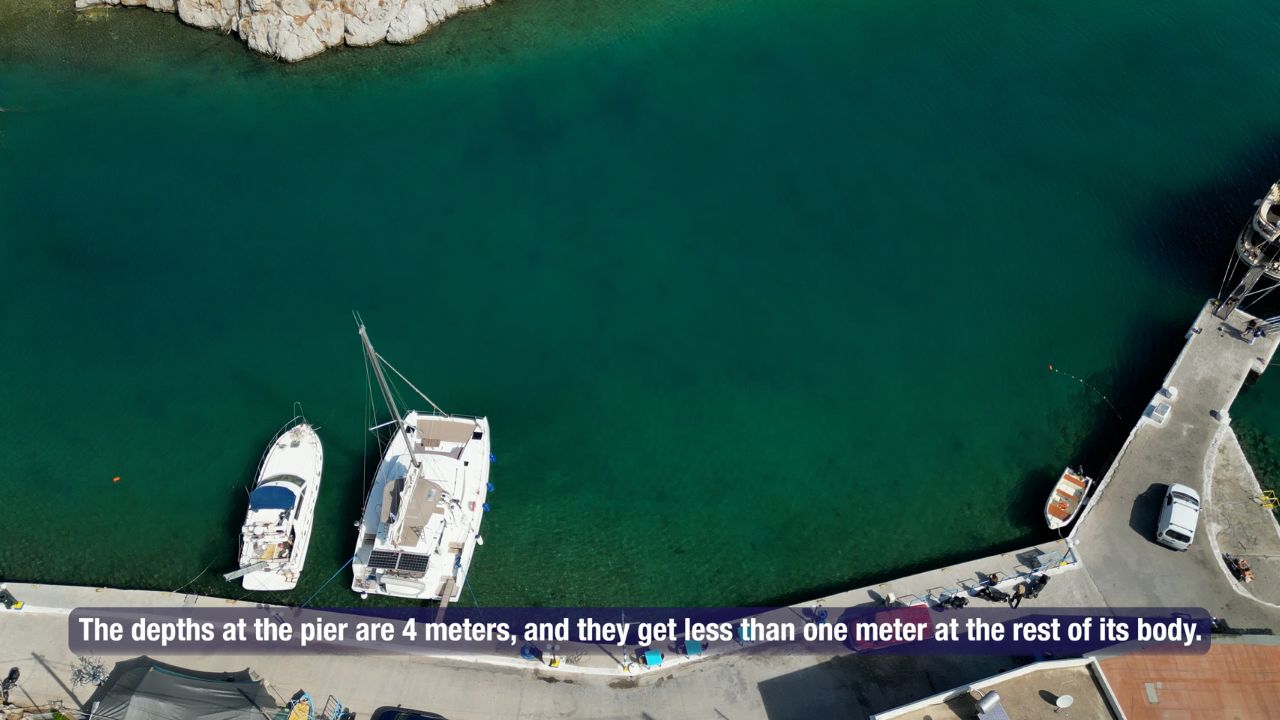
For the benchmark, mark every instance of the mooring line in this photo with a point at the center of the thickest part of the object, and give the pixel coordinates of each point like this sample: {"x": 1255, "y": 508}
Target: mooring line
{"x": 326, "y": 582}
{"x": 197, "y": 577}
{"x": 1095, "y": 390}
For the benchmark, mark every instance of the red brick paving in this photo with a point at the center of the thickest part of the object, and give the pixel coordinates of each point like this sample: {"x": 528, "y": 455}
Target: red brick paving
{"x": 1230, "y": 682}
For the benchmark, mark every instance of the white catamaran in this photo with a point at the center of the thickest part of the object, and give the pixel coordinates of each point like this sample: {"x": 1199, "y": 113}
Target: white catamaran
{"x": 421, "y": 522}
{"x": 277, "y": 528}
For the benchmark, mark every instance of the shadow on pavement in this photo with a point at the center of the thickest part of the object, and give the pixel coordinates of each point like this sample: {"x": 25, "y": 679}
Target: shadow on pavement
{"x": 1146, "y": 511}
{"x": 856, "y": 686}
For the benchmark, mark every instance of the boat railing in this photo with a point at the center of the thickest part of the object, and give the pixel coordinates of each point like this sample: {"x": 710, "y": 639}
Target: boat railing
{"x": 388, "y": 423}
{"x": 262, "y": 461}
{"x": 333, "y": 710}
{"x": 451, "y": 415}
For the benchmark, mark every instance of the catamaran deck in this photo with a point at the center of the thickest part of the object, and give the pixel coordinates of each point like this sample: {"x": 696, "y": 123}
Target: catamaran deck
{"x": 418, "y": 537}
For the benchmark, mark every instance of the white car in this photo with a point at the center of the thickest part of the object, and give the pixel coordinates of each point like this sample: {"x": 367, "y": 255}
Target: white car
{"x": 1178, "y": 516}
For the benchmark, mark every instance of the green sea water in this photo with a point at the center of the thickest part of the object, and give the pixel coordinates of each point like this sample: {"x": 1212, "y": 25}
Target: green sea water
{"x": 759, "y": 296}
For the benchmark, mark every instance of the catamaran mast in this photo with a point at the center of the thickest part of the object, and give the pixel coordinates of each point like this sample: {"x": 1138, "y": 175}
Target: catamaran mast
{"x": 386, "y": 393}
{"x": 1258, "y": 250}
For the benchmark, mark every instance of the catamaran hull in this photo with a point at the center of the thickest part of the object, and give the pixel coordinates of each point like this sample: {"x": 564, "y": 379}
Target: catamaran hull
{"x": 435, "y": 567}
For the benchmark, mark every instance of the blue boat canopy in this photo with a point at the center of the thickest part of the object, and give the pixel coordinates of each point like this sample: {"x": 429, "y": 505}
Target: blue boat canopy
{"x": 272, "y": 497}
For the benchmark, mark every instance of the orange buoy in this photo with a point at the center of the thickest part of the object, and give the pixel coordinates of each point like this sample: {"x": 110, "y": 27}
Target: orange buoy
{"x": 115, "y": 479}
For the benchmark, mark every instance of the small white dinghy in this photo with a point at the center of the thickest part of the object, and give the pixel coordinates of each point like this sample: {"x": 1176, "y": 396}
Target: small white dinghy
{"x": 1067, "y": 498}
{"x": 277, "y": 527}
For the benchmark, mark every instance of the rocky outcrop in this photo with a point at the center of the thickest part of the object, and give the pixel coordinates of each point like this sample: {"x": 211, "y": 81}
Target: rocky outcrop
{"x": 293, "y": 30}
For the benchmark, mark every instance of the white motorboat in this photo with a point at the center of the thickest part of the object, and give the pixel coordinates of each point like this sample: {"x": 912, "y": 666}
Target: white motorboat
{"x": 1067, "y": 498}
{"x": 277, "y": 528}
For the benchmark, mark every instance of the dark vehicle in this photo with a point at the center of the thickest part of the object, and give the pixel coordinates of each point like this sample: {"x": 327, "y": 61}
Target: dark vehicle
{"x": 911, "y": 615}
{"x": 399, "y": 713}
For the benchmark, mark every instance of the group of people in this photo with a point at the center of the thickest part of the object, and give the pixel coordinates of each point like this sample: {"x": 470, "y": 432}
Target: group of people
{"x": 1026, "y": 590}
{"x": 1255, "y": 329}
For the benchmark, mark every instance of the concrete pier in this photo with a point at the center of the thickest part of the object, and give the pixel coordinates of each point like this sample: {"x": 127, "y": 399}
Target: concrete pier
{"x": 1115, "y": 536}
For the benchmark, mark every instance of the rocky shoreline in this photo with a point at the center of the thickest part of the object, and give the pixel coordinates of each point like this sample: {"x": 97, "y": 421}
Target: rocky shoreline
{"x": 294, "y": 30}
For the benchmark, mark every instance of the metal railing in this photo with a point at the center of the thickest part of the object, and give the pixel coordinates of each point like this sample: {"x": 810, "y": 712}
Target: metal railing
{"x": 1021, "y": 572}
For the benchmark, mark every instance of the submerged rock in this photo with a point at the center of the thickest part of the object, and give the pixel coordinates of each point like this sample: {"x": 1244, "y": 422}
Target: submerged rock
{"x": 294, "y": 30}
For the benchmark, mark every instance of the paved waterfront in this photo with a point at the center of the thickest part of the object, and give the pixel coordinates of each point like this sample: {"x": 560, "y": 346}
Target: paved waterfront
{"x": 736, "y": 686}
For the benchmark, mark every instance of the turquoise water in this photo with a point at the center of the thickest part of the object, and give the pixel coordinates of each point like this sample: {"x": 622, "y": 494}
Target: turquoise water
{"x": 759, "y": 302}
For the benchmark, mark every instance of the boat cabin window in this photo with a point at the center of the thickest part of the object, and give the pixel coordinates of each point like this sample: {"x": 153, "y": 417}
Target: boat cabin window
{"x": 272, "y": 497}
{"x": 291, "y": 479}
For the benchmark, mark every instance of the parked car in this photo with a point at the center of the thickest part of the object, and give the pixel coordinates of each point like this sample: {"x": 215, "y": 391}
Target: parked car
{"x": 1178, "y": 517}
{"x": 399, "y": 713}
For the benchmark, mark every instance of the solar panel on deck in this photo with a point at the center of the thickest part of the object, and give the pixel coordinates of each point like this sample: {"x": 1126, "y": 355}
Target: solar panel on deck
{"x": 382, "y": 559}
{"x": 388, "y": 560}
{"x": 413, "y": 563}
